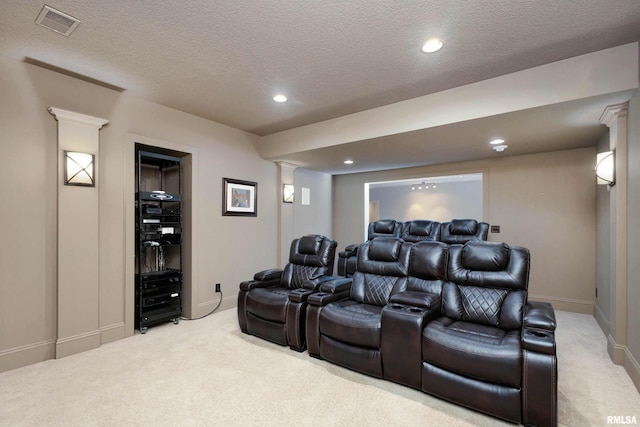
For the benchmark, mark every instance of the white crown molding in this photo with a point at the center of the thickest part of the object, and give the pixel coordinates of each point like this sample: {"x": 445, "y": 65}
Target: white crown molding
{"x": 288, "y": 166}
{"x": 70, "y": 116}
{"x": 612, "y": 112}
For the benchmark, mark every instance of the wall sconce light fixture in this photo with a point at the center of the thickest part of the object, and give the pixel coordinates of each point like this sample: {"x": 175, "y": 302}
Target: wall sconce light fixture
{"x": 287, "y": 193}
{"x": 605, "y": 168}
{"x": 79, "y": 169}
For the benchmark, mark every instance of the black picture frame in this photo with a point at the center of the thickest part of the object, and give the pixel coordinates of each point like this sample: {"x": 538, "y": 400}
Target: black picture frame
{"x": 239, "y": 197}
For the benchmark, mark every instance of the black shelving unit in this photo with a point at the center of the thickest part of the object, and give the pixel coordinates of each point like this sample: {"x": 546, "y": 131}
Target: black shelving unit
{"x": 158, "y": 238}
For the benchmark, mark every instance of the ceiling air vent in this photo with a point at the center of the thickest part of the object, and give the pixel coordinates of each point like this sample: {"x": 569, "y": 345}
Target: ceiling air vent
{"x": 57, "y": 21}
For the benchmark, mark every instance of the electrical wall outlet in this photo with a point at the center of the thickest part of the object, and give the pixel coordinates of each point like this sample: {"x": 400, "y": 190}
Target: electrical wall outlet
{"x": 217, "y": 287}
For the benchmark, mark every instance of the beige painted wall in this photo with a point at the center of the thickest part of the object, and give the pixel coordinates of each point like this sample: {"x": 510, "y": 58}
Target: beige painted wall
{"x": 226, "y": 250}
{"x": 545, "y": 202}
{"x": 632, "y": 353}
{"x": 314, "y": 218}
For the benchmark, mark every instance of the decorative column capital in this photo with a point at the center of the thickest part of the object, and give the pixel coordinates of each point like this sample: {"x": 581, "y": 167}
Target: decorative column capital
{"x": 70, "y": 116}
{"x": 612, "y": 112}
{"x": 287, "y": 166}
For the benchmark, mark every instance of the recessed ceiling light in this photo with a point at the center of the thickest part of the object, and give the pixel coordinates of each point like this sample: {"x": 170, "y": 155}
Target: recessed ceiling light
{"x": 280, "y": 98}
{"x": 500, "y": 148}
{"x": 348, "y": 162}
{"x": 432, "y": 45}
{"x": 497, "y": 141}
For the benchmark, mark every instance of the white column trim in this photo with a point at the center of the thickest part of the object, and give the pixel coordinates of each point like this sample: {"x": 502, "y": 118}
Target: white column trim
{"x": 78, "y": 245}
{"x": 285, "y": 212}
{"x": 615, "y": 117}
{"x": 71, "y": 116}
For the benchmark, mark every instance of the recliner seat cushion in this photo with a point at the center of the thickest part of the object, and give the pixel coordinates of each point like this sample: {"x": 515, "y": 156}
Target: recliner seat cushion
{"x": 268, "y": 303}
{"x": 353, "y": 323}
{"x": 477, "y": 351}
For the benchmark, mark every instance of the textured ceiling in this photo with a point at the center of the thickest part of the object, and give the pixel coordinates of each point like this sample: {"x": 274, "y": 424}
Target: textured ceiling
{"x": 224, "y": 60}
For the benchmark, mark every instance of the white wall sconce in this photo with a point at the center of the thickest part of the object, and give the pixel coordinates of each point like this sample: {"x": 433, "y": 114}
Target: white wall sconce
{"x": 79, "y": 169}
{"x": 288, "y": 193}
{"x": 605, "y": 168}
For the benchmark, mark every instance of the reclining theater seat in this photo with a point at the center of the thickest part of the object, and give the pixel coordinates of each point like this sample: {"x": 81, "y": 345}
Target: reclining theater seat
{"x": 381, "y": 228}
{"x": 348, "y": 332}
{"x": 489, "y": 350}
{"x": 272, "y": 305}
{"x": 419, "y": 230}
{"x": 462, "y": 231}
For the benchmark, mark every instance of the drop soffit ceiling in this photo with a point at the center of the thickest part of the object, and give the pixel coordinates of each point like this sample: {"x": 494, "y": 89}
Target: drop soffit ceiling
{"x": 224, "y": 61}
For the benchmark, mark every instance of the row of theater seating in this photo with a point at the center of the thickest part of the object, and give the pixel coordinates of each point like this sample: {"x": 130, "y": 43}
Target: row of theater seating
{"x": 454, "y": 231}
{"x": 450, "y": 320}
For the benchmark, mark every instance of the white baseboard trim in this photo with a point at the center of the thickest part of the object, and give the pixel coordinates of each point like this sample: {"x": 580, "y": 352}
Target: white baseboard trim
{"x": 602, "y": 320}
{"x": 566, "y": 304}
{"x": 112, "y": 333}
{"x": 18, "y": 357}
{"x": 616, "y": 351}
{"x": 77, "y": 343}
{"x": 225, "y": 304}
{"x": 50, "y": 349}
{"x": 632, "y": 367}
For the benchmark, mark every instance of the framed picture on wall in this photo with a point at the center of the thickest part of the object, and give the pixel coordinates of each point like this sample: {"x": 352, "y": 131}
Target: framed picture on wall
{"x": 239, "y": 198}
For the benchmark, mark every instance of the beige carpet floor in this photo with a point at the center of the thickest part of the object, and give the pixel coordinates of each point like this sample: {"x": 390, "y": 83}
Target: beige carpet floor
{"x": 207, "y": 373}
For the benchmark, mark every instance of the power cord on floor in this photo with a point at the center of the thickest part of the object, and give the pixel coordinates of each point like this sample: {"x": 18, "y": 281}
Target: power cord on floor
{"x": 211, "y": 312}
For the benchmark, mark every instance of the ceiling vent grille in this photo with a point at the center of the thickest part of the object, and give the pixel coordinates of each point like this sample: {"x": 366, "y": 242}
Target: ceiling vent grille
{"x": 57, "y": 21}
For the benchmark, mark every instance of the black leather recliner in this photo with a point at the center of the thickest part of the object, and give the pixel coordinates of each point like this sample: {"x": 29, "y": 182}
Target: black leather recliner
{"x": 272, "y": 305}
{"x": 376, "y": 328}
{"x": 458, "y": 231}
{"x": 490, "y": 350}
{"x": 382, "y": 228}
{"x": 348, "y": 332}
{"x": 419, "y": 230}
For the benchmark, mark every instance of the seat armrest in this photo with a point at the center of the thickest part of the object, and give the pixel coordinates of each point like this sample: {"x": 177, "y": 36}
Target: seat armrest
{"x": 270, "y": 274}
{"x": 539, "y": 325}
{"x": 352, "y": 248}
{"x": 349, "y": 251}
{"x": 539, "y": 315}
{"x": 253, "y": 284}
{"x": 331, "y": 290}
{"x": 336, "y": 284}
{"x": 300, "y": 295}
{"x": 539, "y": 341}
{"x": 417, "y": 299}
{"x": 263, "y": 279}
{"x": 314, "y": 283}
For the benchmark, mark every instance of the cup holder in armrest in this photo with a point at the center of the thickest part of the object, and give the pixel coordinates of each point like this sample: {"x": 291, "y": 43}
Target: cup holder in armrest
{"x": 405, "y": 308}
{"x": 539, "y": 334}
{"x": 320, "y": 294}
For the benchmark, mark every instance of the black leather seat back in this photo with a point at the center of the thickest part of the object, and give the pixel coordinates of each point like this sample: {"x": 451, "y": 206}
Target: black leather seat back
{"x": 488, "y": 284}
{"x": 428, "y": 267}
{"x": 384, "y": 228}
{"x": 310, "y": 257}
{"x": 419, "y": 230}
{"x": 381, "y": 270}
{"x": 463, "y": 230}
